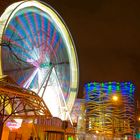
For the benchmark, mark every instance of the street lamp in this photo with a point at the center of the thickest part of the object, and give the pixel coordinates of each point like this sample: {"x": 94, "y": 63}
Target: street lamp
{"x": 115, "y": 98}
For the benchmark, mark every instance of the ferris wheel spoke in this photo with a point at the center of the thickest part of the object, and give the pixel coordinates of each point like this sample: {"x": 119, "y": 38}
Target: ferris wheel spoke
{"x": 53, "y": 38}
{"x": 30, "y": 79}
{"x": 23, "y": 27}
{"x": 18, "y": 69}
{"x": 64, "y": 106}
{"x": 42, "y": 27}
{"x": 55, "y": 49}
{"x": 59, "y": 82}
{"x": 48, "y": 31}
{"x": 30, "y": 26}
{"x": 61, "y": 63}
{"x": 18, "y": 36}
{"x": 45, "y": 82}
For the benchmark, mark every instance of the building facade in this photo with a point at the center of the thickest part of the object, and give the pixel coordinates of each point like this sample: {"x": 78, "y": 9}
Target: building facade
{"x": 110, "y": 109}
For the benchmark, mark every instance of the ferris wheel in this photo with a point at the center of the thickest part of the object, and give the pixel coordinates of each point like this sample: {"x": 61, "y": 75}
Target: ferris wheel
{"x": 39, "y": 54}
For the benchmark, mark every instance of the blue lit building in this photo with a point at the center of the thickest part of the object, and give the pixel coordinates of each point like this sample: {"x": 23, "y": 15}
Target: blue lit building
{"x": 110, "y": 109}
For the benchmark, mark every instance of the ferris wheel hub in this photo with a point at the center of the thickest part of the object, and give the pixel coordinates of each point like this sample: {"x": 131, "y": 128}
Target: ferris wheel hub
{"x": 45, "y": 65}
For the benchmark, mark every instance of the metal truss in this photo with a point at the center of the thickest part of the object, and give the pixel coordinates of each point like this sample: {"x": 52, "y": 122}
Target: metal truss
{"x": 19, "y": 102}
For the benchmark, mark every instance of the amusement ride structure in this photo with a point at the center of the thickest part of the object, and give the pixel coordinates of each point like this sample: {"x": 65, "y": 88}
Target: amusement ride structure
{"x": 38, "y": 54}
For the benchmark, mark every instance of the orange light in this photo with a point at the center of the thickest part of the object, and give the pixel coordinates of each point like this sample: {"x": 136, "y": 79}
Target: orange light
{"x": 115, "y": 98}
{"x": 97, "y": 131}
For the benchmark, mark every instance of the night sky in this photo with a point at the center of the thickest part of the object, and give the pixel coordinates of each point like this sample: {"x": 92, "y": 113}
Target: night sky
{"x": 107, "y": 38}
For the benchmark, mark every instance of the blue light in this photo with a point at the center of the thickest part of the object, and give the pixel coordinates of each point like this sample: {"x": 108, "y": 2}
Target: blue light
{"x": 125, "y": 88}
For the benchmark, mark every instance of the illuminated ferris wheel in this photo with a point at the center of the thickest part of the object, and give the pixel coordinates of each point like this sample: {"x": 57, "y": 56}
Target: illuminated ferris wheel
{"x": 39, "y": 54}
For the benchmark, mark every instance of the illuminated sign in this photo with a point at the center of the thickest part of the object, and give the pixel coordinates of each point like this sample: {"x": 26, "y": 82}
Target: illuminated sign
{"x": 14, "y": 124}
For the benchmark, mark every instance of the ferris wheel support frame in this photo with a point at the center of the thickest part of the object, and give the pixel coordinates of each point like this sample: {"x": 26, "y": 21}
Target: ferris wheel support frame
{"x": 66, "y": 104}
